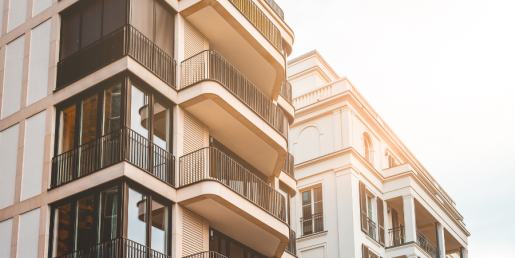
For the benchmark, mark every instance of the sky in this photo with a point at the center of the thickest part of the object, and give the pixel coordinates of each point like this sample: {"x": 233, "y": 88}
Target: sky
{"x": 440, "y": 73}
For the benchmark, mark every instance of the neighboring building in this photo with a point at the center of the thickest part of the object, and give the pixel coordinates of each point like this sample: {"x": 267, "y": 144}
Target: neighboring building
{"x": 361, "y": 192}
{"x": 145, "y": 129}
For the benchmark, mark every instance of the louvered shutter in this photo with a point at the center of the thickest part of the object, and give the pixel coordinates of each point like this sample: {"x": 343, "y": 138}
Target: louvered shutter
{"x": 380, "y": 218}
{"x": 192, "y": 228}
{"x": 364, "y": 251}
{"x": 363, "y": 207}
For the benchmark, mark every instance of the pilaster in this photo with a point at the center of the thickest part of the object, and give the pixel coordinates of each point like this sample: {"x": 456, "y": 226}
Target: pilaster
{"x": 347, "y": 194}
{"x": 337, "y": 121}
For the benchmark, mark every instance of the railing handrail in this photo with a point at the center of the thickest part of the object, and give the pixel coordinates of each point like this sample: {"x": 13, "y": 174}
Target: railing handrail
{"x": 276, "y": 8}
{"x": 204, "y": 174}
{"x": 427, "y": 246}
{"x": 268, "y": 112}
{"x": 212, "y": 254}
{"x": 292, "y": 243}
{"x": 286, "y": 91}
{"x": 396, "y": 236}
{"x": 288, "y": 165}
{"x": 315, "y": 215}
{"x": 370, "y": 221}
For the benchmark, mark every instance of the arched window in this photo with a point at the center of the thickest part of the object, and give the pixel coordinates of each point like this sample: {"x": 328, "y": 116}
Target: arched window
{"x": 367, "y": 142}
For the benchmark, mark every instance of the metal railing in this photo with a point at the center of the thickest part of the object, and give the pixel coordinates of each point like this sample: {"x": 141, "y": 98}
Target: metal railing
{"x": 288, "y": 165}
{"x": 292, "y": 244}
{"x": 372, "y": 229}
{"x": 211, "y": 164}
{"x": 208, "y": 254}
{"x": 286, "y": 91}
{"x": 120, "y": 145}
{"x": 312, "y": 224}
{"x": 116, "y": 248}
{"x": 210, "y": 65}
{"x": 262, "y": 23}
{"x": 125, "y": 41}
{"x": 276, "y": 8}
{"x": 427, "y": 246}
{"x": 397, "y": 236}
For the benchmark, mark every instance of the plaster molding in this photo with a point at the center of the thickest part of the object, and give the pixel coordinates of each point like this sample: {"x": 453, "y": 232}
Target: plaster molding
{"x": 407, "y": 196}
{"x": 312, "y": 236}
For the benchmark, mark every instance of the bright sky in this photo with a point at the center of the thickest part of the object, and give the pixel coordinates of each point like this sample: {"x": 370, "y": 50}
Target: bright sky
{"x": 440, "y": 72}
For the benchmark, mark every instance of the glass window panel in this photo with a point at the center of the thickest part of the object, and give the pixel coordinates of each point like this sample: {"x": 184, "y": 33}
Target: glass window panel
{"x": 213, "y": 244}
{"x": 84, "y": 229}
{"x": 235, "y": 251}
{"x": 112, "y": 108}
{"x": 114, "y": 15}
{"x": 91, "y": 23}
{"x": 70, "y": 35}
{"x": 159, "y": 227}
{"x": 89, "y": 119}
{"x": 137, "y": 217}
{"x": 306, "y": 197}
{"x": 139, "y": 111}
{"x": 223, "y": 246}
{"x": 317, "y": 195}
{"x": 142, "y": 17}
{"x": 164, "y": 28}
{"x": 161, "y": 123}
{"x": 108, "y": 215}
{"x": 67, "y": 131}
{"x": 63, "y": 234}
{"x": 369, "y": 201}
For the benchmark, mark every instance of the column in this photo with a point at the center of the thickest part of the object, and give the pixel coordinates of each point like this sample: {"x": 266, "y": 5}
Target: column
{"x": 337, "y": 120}
{"x": 464, "y": 253}
{"x": 409, "y": 218}
{"x": 440, "y": 239}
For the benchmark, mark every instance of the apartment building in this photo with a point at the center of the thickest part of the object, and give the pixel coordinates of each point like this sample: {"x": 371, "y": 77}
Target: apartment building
{"x": 360, "y": 192}
{"x": 145, "y": 129}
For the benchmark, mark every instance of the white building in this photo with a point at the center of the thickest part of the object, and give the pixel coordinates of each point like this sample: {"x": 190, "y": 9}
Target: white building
{"x": 361, "y": 192}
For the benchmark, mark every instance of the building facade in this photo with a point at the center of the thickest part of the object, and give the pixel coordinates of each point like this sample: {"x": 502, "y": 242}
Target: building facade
{"x": 360, "y": 191}
{"x": 145, "y": 129}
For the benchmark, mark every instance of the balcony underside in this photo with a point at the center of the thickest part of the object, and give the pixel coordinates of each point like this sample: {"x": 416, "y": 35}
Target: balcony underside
{"x": 404, "y": 250}
{"x": 236, "y": 126}
{"x": 236, "y": 216}
{"x": 231, "y": 34}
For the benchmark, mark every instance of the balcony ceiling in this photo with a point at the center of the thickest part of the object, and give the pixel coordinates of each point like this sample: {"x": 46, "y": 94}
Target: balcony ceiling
{"x": 225, "y": 39}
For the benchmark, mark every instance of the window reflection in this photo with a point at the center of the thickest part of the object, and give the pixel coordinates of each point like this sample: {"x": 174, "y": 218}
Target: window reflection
{"x": 84, "y": 232}
{"x": 112, "y": 108}
{"x": 67, "y": 130}
{"x": 63, "y": 243}
{"x": 160, "y": 124}
{"x": 139, "y": 111}
{"x": 137, "y": 217}
{"x": 159, "y": 227}
{"x": 108, "y": 214}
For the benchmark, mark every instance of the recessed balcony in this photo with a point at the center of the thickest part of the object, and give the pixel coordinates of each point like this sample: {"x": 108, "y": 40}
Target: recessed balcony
{"x": 244, "y": 35}
{"x": 237, "y": 113}
{"x": 232, "y": 198}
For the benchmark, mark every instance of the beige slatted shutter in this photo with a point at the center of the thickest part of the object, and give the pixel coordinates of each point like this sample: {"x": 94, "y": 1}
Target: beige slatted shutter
{"x": 192, "y": 233}
{"x": 364, "y": 251}
{"x": 380, "y": 218}
{"x": 363, "y": 206}
{"x": 193, "y": 40}
{"x": 193, "y": 133}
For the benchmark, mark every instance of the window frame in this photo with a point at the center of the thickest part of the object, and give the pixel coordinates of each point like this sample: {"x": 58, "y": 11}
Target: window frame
{"x": 311, "y": 191}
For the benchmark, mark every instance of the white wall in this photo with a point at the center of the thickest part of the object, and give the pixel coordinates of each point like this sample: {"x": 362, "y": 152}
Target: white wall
{"x": 39, "y": 62}
{"x": 13, "y": 77}
{"x": 17, "y": 13}
{"x": 1, "y": 12}
{"x": 8, "y": 157}
{"x": 40, "y": 5}
{"x": 6, "y": 228}
{"x": 28, "y": 234}
{"x": 317, "y": 252}
{"x": 33, "y": 156}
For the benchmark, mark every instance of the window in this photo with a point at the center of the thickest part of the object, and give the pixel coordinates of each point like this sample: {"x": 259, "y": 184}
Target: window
{"x": 368, "y": 150}
{"x": 370, "y": 217}
{"x": 369, "y": 207}
{"x": 224, "y": 245}
{"x": 312, "y": 211}
{"x": 283, "y": 190}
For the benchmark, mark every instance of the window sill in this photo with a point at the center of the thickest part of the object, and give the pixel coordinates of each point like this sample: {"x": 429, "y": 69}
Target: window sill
{"x": 311, "y": 236}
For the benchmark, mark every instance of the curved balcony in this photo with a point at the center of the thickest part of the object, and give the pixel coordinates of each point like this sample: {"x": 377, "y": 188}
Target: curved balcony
{"x": 285, "y": 100}
{"x": 237, "y": 113}
{"x": 120, "y": 145}
{"x": 224, "y": 192}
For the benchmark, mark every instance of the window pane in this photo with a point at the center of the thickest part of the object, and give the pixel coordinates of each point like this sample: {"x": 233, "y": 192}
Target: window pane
{"x": 63, "y": 239}
{"x": 164, "y": 28}
{"x": 213, "y": 244}
{"x": 236, "y": 251}
{"x": 223, "y": 246}
{"x": 137, "y": 217}
{"x": 85, "y": 230}
{"x": 89, "y": 119}
{"x": 114, "y": 15}
{"x": 139, "y": 111}
{"x": 67, "y": 132}
{"x": 112, "y": 108}
{"x": 317, "y": 195}
{"x": 70, "y": 35}
{"x": 142, "y": 17}
{"x": 160, "y": 123}
{"x": 108, "y": 215}
{"x": 159, "y": 227}
{"x": 91, "y": 23}
{"x": 306, "y": 197}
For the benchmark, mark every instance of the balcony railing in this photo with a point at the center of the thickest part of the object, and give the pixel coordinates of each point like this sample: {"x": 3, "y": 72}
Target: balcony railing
{"x": 292, "y": 244}
{"x": 286, "y": 91}
{"x": 312, "y": 224}
{"x": 288, "y": 165}
{"x": 209, "y": 254}
{"x": 212, "y": 164}
{"x": 276, "y": 8}
{"x": 116, "y": 248}
{"x": 209, "y": 65}
{"x": 372, "y": 229}
{"x": 397, "y": 236}
{"x": 262, "y": 23}
{"x": 427, "y": 246}
{"x": 120, "y": 145}
{"x": 125, "y": 41}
